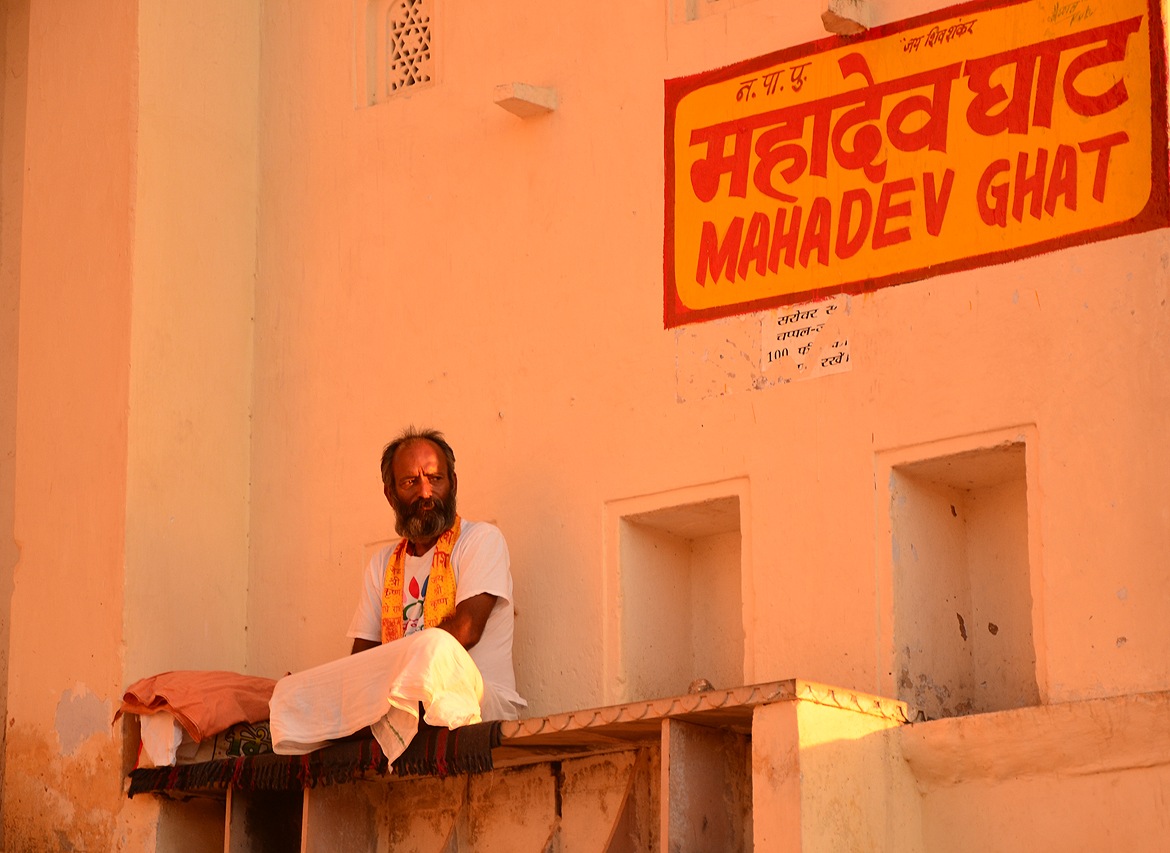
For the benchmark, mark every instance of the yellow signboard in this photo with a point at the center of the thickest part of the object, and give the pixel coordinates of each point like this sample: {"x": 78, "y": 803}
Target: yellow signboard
{"x": 971, "y": 136}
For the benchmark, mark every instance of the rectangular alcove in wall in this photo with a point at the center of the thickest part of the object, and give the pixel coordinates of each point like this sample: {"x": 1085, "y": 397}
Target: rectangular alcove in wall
{"x": 675, "y": 591}
{"x": 963, "y": 578}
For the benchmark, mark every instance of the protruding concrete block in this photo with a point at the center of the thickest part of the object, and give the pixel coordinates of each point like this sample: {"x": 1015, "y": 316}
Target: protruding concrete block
{"x": 847, "y": 17}
{"x": 526, "y": 101}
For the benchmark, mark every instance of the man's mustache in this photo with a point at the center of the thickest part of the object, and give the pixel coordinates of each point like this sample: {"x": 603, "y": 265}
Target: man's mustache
{"x": 425, "y": 505}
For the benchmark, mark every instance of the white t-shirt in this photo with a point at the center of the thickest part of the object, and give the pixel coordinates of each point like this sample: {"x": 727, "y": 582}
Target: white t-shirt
{"x": 480, "y": 561}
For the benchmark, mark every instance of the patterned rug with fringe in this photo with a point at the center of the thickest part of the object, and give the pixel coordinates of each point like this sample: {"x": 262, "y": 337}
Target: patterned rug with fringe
{"x": 432, "y": 752}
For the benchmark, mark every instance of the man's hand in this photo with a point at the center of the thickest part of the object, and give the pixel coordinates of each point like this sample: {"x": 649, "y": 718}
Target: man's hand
{"x": 360, "y": 645}
{"x": 471, "y": 614}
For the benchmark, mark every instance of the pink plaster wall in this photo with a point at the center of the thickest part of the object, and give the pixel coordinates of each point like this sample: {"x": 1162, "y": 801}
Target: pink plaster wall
{"x": 191, "y": 336}
{"x": 133, "y": 238}
{"x": 15, "y": 64}
{"x": 436, "y": 260}
{"x": 65, "y": 671}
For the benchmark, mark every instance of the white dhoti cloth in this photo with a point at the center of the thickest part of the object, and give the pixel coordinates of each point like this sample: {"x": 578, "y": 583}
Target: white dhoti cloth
{"x": 381, "y": 688}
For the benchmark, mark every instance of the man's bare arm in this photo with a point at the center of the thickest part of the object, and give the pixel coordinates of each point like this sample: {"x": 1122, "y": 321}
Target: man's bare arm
{"x": 471, "y": 615}
{"x": 360, "y": 645}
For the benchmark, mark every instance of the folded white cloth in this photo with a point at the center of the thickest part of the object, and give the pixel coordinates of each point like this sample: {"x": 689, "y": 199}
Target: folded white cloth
{"x": 380, "y": 688}
{"x": 161, "y": 736}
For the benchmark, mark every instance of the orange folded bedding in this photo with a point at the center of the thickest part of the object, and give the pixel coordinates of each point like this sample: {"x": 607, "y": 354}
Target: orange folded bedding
{"x": 205, "y": 703}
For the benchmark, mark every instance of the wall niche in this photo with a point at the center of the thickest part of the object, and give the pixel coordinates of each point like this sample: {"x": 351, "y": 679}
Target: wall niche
{"x": 677, "y": 569}
{"x": 963, "y": 615}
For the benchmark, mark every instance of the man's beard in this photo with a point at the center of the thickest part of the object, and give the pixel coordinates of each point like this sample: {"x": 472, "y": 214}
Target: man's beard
{"x": 418, "y": 524}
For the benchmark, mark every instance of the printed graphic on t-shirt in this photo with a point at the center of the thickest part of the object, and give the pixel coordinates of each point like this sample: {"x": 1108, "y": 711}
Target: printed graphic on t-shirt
{"x": 412, "y": 603}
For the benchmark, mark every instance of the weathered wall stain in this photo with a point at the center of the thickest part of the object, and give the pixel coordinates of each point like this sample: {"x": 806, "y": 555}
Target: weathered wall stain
{"x": 55, "y": 803}
{"x": 80, "y": 715}
{"x": 929, "y": 697}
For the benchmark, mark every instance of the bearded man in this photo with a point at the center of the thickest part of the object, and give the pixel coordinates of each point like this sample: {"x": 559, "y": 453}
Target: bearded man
{"x": 445, "y": 572}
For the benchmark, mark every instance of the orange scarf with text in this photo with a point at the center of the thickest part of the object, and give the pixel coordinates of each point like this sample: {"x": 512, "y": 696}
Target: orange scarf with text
{"x": 439, "y": 603}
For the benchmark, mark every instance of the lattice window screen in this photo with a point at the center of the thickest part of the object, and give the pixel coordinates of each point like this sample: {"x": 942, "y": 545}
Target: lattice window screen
{"x": 398, "y": 46}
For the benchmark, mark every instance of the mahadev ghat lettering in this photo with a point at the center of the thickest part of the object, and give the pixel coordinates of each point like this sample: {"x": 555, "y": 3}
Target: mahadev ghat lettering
{"x": 893, "y": 163}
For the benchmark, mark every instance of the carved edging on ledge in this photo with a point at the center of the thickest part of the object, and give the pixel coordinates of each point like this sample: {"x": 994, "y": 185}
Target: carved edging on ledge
{"x": 712, "y": 700}
{"x": 851, "y": 700}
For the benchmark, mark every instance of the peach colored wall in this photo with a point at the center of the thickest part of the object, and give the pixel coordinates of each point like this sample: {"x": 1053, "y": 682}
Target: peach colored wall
{"x": 191, "y": 337}
{"x": 14, "y": 61}
{"x": 66, "y": 632}
{"x": 1116, "y": 812}
{"x": 437, "y": 260}
{"x": 1090, "y": 775}
{"x": 136, "y": 230}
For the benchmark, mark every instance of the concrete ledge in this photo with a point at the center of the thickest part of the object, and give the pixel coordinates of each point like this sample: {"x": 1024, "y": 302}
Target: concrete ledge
{"x": 1092, "y": 736}
{"x": 524, "y": 100}
{"x": 620, "y": 726}
{"x": 715, "y": 706}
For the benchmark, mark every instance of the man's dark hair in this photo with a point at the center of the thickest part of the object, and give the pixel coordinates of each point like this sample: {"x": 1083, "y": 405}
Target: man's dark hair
{"x": 406, "y": 437}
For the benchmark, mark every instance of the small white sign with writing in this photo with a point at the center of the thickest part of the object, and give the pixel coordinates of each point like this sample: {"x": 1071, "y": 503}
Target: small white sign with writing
{"x": 808, "y": 340}
{"x": 752, "y": 352}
